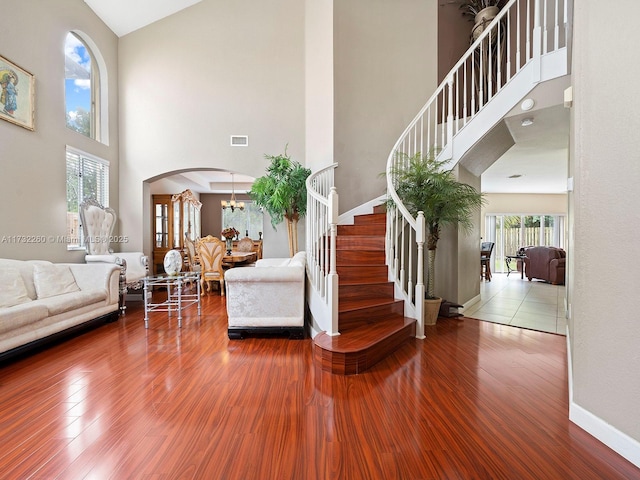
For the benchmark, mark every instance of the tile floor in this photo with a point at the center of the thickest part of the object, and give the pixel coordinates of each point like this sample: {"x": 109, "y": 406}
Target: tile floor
{"x": 511, "y": 301}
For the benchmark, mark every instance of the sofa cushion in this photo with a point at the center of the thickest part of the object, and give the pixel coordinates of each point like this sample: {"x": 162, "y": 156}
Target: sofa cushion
{"x": 72, "y": 301}
{"x": 51, "y": 280}
{"x": 12, "y": 288}
{"x": 12, "y": 318}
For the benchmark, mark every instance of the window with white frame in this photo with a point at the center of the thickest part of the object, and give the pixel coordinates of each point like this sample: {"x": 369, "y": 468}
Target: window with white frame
{"x": 82, "y": 87}
{"x": 248, "y": 221}
{"x": 87, "y": 176}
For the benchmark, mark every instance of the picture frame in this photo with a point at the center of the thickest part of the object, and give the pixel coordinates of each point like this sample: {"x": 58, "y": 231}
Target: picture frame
{"x": 17, "y": 94}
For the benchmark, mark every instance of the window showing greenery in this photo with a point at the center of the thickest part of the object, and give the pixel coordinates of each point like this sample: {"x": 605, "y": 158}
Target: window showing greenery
{"x": 87, "y": 176}
{"x": 248, "y": 222}
{"x": 510, "y": 232}
{"x": 81, "y": 87}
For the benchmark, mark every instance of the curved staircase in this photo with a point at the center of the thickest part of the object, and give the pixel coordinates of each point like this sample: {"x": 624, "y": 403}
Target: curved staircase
{"x": 352, "y": 286}
{"x": 371, "y": 321}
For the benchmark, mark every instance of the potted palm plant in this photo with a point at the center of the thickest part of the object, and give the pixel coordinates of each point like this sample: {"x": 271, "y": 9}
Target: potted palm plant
{"x": 424, "y": 185}
{"x": 283, "y": 193}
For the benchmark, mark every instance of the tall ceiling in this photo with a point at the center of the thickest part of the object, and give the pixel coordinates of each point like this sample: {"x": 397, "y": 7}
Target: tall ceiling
{"x": 536, "y": 163}
{"x": 125, "y": 16}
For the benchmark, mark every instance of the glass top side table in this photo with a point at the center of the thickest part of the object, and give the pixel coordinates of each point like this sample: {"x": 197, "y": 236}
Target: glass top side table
{"x": 177, "y": 300}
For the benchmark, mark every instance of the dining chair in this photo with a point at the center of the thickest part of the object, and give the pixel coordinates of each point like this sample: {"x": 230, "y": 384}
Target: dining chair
{"x": 211, "y": 251}
{"x": 245, "y": 245}
{"x": 485, "y": 260}
{"x": 193, "y": 261}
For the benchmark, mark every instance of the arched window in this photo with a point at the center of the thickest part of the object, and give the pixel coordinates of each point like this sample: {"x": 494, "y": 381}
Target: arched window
{"x": 82, "y": 87}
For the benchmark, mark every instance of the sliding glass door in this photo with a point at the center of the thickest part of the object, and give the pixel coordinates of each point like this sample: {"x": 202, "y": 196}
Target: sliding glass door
{"x": 511, "y": 232}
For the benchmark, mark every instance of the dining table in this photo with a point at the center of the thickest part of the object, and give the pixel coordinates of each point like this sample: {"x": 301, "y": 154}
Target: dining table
{"x": 239, "y": 258}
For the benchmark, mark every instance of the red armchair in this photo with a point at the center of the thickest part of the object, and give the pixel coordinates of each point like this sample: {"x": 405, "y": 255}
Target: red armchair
{"x": 545, "y": 263}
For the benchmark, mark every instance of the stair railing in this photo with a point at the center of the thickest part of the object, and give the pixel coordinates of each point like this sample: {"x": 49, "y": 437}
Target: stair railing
{"x": 522, "y": 32}
{"x": 321, "y": 233}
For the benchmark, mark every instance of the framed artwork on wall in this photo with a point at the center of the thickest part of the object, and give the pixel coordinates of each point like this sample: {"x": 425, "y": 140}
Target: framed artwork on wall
{"x": 17, "y": 94}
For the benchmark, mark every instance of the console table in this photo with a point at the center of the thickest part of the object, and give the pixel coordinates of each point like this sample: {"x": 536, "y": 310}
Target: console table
{"x": 176, "y": 300}
{"x": 517, "y": 258}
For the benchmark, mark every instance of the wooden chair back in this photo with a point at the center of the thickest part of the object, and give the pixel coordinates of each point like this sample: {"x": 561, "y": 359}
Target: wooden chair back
{"x": 211, "y": 252}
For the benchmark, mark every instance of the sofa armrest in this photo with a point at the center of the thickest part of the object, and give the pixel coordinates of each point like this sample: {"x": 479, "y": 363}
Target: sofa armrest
{"x": 266, "y": 274}
{"x": 100, "y": 258}
{"x": 97, "y": 276}
{"x": 137, "y": 265}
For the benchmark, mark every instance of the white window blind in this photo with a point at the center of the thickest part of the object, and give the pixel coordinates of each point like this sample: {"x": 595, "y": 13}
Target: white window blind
{"x": 87, "y": 177}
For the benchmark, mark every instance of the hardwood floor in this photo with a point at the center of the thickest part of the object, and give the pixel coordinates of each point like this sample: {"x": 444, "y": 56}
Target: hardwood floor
{"x": 474, "y": 400}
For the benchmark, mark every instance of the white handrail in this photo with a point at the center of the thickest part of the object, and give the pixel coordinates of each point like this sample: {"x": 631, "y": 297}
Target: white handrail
{"x": 521, "y": 32}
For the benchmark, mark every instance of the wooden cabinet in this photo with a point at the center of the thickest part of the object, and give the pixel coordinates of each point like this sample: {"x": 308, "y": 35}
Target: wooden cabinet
{"x": 174, "y": 216}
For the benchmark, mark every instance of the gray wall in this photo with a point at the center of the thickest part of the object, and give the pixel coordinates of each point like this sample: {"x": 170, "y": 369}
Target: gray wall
{"x": 33, "y": 164}
{"x": 605, "y": 163}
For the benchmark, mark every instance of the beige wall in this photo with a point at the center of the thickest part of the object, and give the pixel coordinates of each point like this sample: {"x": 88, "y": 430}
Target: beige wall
{"x": 526, "y": 204}
{"x": 33, "y": 164}
{"x": 605, "y": 329}
{"x": 457, "y": 267}
{"x": 385, "y": 69}
{"x": 191, "y": 80}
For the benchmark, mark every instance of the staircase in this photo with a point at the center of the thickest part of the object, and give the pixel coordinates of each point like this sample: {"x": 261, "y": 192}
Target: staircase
{"x": 351, "y": 301}
{"x": 371, "y": 321}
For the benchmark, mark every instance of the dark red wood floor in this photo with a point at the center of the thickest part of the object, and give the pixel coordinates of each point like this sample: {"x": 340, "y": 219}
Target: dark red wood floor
{"x": 473, "y": 400}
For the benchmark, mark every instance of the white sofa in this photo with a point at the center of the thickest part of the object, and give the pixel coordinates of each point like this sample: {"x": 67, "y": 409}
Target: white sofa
{"x": 268, "y": 298}
{"x": 41, "y": 301}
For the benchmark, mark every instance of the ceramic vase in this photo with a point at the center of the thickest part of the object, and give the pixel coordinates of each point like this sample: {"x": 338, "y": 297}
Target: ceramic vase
{"x": 173, "y": 262}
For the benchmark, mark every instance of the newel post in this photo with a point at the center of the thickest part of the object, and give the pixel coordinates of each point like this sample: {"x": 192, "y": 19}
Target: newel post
{"x": 332, "y": 278}
{"x": 419, "y": 291}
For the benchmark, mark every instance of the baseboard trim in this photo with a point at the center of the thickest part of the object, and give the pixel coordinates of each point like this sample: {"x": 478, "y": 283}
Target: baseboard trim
{"x": 613, "y": 438}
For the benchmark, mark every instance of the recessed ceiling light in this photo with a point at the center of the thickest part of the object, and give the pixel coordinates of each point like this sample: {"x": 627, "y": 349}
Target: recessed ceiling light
{"x": 527, "y": 121}
{"x": 527, "y": 104}
{"x": 517, "y": 175}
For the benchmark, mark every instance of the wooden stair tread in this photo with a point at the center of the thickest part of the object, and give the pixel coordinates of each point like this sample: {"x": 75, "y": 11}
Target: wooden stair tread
{"x": 359, "y": 303}
{"x": 372, "y": 281}
{"x": 362, "y": 338}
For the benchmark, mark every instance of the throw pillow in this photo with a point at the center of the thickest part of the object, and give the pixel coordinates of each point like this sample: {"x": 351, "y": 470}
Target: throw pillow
{"x": 12, "y": 288}
{"x": 51, "y": 280}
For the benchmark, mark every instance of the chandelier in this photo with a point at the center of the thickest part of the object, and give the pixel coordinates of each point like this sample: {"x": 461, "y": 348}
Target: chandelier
{"x": 232, "y": 204}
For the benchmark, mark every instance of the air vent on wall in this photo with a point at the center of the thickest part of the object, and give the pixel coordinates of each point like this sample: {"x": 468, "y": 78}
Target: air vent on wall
{"x": 239, "y": 140}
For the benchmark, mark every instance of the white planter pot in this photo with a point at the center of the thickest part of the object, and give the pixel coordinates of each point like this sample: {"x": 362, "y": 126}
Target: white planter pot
{"x": 482, "y": 20}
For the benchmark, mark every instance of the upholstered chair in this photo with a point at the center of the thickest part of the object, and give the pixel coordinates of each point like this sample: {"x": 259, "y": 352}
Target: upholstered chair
{"x": 245, "y": 245}
{"x": 545, "y": 263}
{"x": 211, "y": 251}
{"x": 98, "y": 223}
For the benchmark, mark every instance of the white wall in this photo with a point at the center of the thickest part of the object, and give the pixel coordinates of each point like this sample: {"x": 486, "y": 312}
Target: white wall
{"x": 33, "y": 164}
{"x": 605, "y": 163}
{"x": 191, "y": 80}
